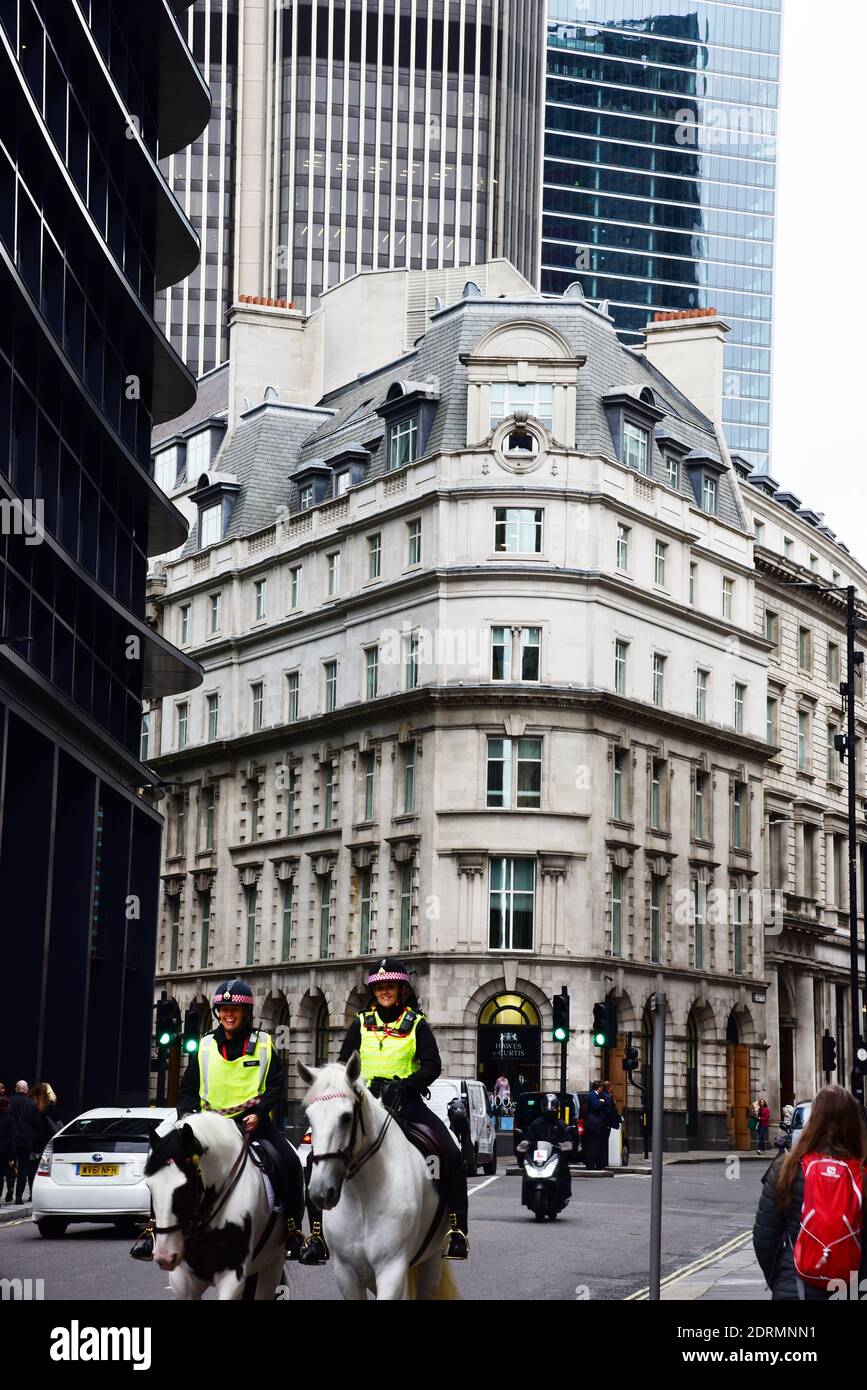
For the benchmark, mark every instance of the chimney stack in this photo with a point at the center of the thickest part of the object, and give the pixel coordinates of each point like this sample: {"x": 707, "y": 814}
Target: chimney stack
{"x": 688, "y": 347}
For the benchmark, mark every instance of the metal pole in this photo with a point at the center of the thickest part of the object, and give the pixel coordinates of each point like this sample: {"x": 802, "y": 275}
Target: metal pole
{"x": 564, "y": 1044}
{"x": 857, "y": 1078}
{"x": 657, "y": 1005}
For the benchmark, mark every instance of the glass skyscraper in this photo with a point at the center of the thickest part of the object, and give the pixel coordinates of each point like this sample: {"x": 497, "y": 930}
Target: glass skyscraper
{"x": 660, "y": 174}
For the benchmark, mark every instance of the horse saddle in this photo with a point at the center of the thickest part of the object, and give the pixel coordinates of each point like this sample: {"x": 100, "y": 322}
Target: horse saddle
{"x": 264, "y": 1155}
{"x": 429, "y": 1142}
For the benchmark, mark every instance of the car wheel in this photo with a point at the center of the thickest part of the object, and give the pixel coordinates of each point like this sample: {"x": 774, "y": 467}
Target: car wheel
{"x": 473, "y": 1165}
{"x": 490, "y": 1168}
{"x": 51, "y": 1226}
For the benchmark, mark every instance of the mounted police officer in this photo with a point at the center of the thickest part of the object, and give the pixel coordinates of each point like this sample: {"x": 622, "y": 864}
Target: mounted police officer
{"x": 399, "y": 1061}
{"x": 238, "y": 1072}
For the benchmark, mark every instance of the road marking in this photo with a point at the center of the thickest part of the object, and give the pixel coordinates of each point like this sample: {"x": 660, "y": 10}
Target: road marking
{"x": 22, "y": 1221}
{"x": 729, "y": 1248}
{"x": 486, "y": 1183}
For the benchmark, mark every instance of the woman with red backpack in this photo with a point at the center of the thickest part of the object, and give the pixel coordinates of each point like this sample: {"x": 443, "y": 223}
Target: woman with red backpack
{"x": 808, "y": 1230}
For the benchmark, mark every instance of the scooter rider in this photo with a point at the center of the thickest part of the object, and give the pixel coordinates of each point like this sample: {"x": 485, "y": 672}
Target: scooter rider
{"x": 549, "y": 1128}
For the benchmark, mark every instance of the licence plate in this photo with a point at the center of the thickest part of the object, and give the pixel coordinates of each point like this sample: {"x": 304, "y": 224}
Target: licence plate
{"x": 98, "y": 1170}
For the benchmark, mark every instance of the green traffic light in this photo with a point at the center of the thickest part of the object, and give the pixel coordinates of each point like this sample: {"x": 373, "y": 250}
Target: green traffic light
{"x": 191, "y": 1045}
{"x": 164, "y": 1039}
{"x": 600, "y": 1040}
{"x": 561, "y": 1035}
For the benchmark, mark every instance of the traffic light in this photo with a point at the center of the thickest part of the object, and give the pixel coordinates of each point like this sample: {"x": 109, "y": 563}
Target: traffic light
{"x": 630, "y": 1059}
{"x": 560, "y": 1032}
{"x": 604, "y": 1024}
{"x": 598, "y": 1025}
{"x": 168, "y": 1022}
{"x": 829, "y": 1053}
{"x": 190, "y": 1042}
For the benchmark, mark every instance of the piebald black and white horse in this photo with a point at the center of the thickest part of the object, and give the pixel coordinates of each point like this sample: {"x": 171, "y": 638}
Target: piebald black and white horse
{"x": 214, "y": 1222}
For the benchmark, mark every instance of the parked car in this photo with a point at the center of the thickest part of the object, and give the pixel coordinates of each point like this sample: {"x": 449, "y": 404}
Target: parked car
{"x": 481, "y": 1147}
{"x": 800, "y": 1116}
{"x": 93, "y": 1170}
{"x": 573, "y": 1107}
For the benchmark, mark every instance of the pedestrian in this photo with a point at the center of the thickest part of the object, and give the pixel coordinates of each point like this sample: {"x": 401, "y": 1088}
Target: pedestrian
{"x": 764, "y": 1119}
{"x": 782, "y": 1245}
{"x": 753, "y": 1124}
{"x": 595, "y": 1128}
{"x": 612, "y": 1115}
{"x": 7, "y": 1147}
{"x": 28, "y": 1126}
{"x": 48, "y": 1125}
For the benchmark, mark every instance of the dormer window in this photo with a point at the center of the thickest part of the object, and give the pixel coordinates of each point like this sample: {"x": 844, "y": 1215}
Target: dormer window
{"x": 342, "y": 483}
{"x": 305, "y": 497}
{"x": 170, "y": 467}
{"x": 520, "y": 442}
{"x": 635, "y": 451}
{"x": 215, "y": 502}
{"x": 403, "y": 443}
{"x": 210, "y": 525}
{"x": 534, "y": 398}
{"x": 672, "y": 468}
{"x": 709, "y": 495}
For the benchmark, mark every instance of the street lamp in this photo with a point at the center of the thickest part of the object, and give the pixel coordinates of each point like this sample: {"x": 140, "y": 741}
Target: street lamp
{"x": 846, "y": 746}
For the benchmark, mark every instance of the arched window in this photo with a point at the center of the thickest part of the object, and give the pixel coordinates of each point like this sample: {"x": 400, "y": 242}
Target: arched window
{"x": 510, "y": 1010}
{"x": 320, "y": 1037}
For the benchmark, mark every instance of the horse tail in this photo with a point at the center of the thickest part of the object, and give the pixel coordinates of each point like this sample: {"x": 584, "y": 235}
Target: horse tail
{"x": 445, "y": 1291}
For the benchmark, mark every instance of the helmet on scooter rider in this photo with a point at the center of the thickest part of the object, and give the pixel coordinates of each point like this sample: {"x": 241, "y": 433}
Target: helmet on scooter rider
{"x": 552, "y": 1104}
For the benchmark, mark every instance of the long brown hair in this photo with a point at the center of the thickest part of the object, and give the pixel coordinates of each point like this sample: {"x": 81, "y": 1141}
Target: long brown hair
{"x": 38, "y": 1094}
{"x": 834, "y": 1127}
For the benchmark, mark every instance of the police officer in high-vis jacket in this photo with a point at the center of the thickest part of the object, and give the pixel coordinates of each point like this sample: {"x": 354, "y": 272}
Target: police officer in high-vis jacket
{"x": 396, "y": 1041}
{"x": 238, "y": 1073}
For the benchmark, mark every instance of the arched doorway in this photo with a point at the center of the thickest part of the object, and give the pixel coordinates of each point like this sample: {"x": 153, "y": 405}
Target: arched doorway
{"x": 737, "y": 1087}
{"x": 692, "y": 1121}
{"x": 509, "y": 1043}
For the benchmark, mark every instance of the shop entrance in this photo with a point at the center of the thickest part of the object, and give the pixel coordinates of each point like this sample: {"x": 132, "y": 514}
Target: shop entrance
{"x": 509, "y": 1047}
{"x": 737, "y": 1088}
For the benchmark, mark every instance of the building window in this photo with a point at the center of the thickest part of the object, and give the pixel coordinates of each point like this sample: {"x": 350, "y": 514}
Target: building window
{"x": 180, "y": 825}
{"x": 183, "y": 720}
{"x": 657, "y": 767}
{"x": 371, "y": 673}
{"x": 295, "y": 587}
{"x": 402, "y": 443}
{"x": 210, "y": 525}
{"x": 728, "y": 598}
{"x": 408, "y": 778}
{"x": 329, "y": 670}
{"x": 213, "y": 717}
{"x": 518, "y": 530}
{"x": 693, "y": 577}
{"x": 660, "y": 554}
{"x": 515, "y": 653}
{"x": 805, "y": 649}
{"x": 655, "y": 916}
{"x": 622, "y": 547}
{"x": 328, "y": 796}
{"x": 803, "y": 741}
{"x": 365, "y": 902}
{"x": 253, "y": 790}
{"x": 620, "y": 649}
{"x": 324, "y": 914}
{"x": 168, "y": 467}
{"x": 293, "y": 798}
{"x": 672, "y": 468}
{"x": 216, "y": 610}
{"x": 699, "y": 906}
{"x": 773, "y": 719}
{"x": 342, "y": 483}
{"x": 515, "y": 773}
{"x": 635, "y": 453}
{"x": 305, "y": 497}
{"x": 334, "y": 574}
{"x": 701, "y": 684}
{"x": 410, "y": 661}
{"x": 286, "y": 919}
{"x": 413, "y": 542}
{"x": 512, "y": 904}
{"x": 698, "y": 807}
{"x": 185, "y": 610}
{"x": 740, "y": 701}
{"x": 292, "y": 688}
{"x": 374, "y": 556}
{"x": 772, "y": 626}
{"x": 833, "y": 663}
{"x": 658, "y": 679}
{"x": 369, "y": 769}
{"x": 617, "y": 773}
{"x": 210, "y": 815}
{"x": 405, "y": 890}
{"x": 618, "y": 884}
{"x": 250, "y": 896}
{"x": 257, "y": 697}
{"x": 205, "y": 950}
{"x": 260, "y": 588}
{"x": 832, "y": 754}
{"x": 738, "y": 813}
{"x": 537, "y": 398}
{"x": 144, "y": 738}
{"x": 736, "y": 897}
{"x": 708, "y": 496}
{"x": 175, "y": 931}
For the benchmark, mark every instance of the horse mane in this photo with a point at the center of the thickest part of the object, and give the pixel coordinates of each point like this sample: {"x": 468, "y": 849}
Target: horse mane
{"x": 209, "y": 1131}
{"x": 331, "y": 1081}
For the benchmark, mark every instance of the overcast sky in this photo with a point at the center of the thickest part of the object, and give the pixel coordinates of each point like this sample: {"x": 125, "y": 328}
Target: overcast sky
{"x": 819, "y": 445}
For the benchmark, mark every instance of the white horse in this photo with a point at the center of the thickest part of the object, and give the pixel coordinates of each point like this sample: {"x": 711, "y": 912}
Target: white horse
{"x": 376, "y": 1187}
{"x": 212, "y": 1213}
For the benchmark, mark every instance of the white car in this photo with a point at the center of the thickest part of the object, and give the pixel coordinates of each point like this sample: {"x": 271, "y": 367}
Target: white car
{"x": 483, "y": 1132}
{"x": 93, "y": 1170}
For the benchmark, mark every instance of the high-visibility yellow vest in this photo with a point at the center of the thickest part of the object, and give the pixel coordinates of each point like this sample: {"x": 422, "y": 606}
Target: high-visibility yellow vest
{"x": 388, "y": 1049}
{"x": 228, "y": 1086}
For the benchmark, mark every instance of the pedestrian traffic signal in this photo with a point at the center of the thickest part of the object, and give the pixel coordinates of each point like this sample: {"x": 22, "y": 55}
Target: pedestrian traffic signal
{"x": 191, "y": 1031}
{"x": 604, "y": 1024}
{"x": 168, "y": 1022}
{"x": 630, "y": 1059}
{"x": 560, "y": 1031}
{"x": 829, "y": 1053}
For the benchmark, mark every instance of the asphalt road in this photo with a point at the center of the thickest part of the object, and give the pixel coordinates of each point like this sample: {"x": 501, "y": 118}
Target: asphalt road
{"x": 598, "y": 1246}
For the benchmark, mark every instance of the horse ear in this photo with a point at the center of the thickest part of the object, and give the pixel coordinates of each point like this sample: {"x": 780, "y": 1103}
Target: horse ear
{"x": 353, "y": 1068}
{"x": 191, "y": 1144}
{"x": 308, "y": 1076}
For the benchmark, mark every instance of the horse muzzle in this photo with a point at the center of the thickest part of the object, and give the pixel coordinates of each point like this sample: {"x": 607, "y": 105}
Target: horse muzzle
{"x": 167, "y": 1255}
{"x": 324, "y": 1192}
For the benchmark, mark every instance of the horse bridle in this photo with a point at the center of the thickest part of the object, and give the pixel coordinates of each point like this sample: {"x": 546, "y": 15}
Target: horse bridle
{"x": 346, "y": 1156}
{"x": 207, "y": 1208}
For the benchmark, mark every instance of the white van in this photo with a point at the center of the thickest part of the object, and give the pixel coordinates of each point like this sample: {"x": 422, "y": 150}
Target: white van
{"x": 483, "y": 1134}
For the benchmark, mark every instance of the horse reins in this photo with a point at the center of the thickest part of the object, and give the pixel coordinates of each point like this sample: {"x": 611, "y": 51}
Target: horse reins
{"x": 207, "y": 1208}
{"x": 352, "y": 1164}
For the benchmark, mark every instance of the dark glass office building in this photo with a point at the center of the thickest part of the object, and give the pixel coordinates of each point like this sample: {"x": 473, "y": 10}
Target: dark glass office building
{"x": 94, "y": 91}
{"x": 660, "y": 173}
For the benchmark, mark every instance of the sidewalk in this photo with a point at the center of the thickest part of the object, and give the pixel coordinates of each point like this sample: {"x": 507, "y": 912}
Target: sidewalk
{"x": 729, "y": 1274}
{"x": 16, "y": 1211}
{"x": 638, "y": 1163}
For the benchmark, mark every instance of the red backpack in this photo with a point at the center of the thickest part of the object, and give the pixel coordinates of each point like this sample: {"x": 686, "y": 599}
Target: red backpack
{"x": 829, "y": 1242}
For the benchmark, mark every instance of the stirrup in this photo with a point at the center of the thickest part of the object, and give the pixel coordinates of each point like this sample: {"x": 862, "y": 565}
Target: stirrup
{"x": 455, "y": 1243}
{"x": 315, "y": 1249}
{"x": 142, "y": 1247}
{"x": 294, "y": 1240}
